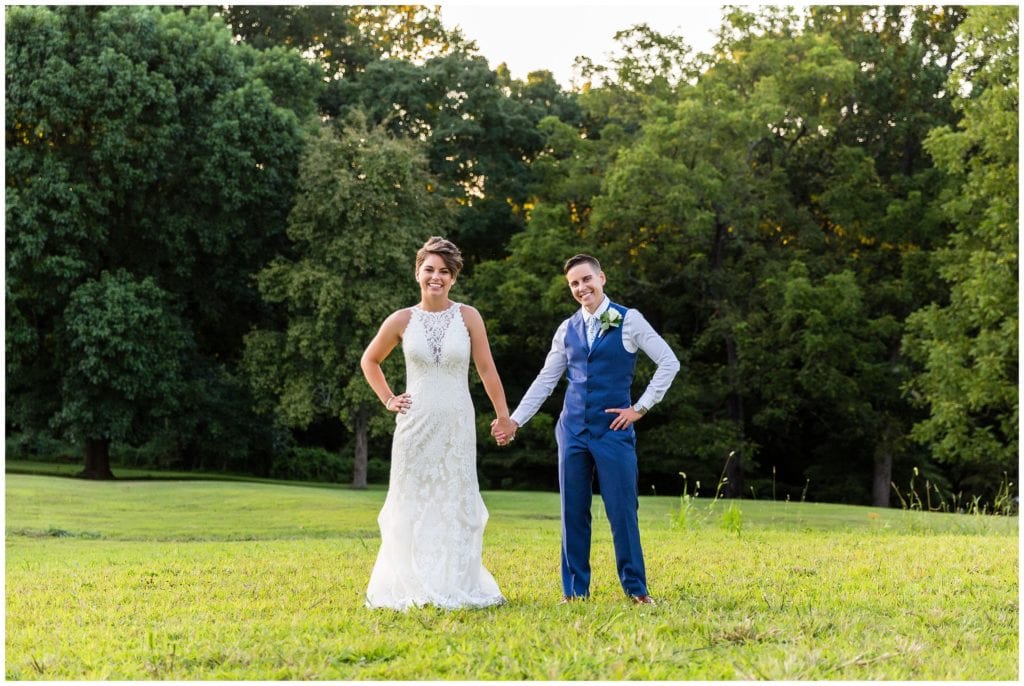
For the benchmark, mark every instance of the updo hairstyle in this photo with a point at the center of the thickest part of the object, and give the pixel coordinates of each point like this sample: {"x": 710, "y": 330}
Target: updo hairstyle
{"x": 443, "y": 248}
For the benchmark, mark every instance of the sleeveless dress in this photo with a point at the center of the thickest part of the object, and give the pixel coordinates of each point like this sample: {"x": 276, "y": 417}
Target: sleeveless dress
{"x": 433, "y": 519}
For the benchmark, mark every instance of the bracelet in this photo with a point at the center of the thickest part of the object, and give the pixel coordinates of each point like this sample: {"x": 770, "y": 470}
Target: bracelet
{"x": 387, "y": 403}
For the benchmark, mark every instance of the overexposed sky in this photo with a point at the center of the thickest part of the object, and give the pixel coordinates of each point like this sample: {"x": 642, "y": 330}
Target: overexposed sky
{"x": 531, "y": 36}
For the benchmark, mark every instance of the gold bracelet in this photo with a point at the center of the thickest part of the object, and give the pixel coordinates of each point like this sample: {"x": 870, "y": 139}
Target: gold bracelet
{"x": 387, "y": 403}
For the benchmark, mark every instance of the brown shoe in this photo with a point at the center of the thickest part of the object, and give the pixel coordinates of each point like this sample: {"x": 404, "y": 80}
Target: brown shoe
{"x": 642, "y": 600}
{"x": 572, "y": 599}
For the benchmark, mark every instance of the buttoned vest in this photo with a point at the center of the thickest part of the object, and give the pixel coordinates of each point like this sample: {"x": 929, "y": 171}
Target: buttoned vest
{"x": 599, "y": 377}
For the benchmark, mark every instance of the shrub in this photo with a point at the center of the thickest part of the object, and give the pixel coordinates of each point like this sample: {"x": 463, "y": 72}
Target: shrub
{"x": 40, "y": 447}
{"x": 325, "y": 466}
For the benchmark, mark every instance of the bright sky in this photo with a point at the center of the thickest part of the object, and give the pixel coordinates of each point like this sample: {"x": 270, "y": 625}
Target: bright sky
{"x": 529, "y": 36}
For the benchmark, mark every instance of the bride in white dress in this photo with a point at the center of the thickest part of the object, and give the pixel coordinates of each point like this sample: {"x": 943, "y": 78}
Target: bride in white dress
{"x": 433, "y": 518}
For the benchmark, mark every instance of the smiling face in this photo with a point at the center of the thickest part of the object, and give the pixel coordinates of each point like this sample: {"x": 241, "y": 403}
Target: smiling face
{"x": 587, "y": 285}
{"x": 435, "y": 277}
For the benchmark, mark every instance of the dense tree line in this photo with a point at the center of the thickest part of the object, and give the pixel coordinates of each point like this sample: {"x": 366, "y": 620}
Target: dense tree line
{"x": 210, "y": 210}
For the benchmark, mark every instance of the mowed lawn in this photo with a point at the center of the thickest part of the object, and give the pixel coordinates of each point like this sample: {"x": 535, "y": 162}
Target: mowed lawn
{"x": 140, "y": 580}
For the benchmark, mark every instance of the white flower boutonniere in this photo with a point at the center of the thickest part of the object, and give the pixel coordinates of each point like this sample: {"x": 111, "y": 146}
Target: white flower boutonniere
{"x": 610, "y": 319}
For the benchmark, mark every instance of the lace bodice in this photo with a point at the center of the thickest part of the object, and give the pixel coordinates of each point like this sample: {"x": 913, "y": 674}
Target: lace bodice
{"x": 436, "y": 343}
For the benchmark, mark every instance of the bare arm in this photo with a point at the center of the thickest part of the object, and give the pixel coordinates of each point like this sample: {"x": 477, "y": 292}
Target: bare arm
{"x": 484, "y": 361}
{"x": 389, "y": 336}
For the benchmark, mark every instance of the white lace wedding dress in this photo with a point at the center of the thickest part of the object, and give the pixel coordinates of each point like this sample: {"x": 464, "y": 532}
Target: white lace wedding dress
{"x": 433, "y": 519}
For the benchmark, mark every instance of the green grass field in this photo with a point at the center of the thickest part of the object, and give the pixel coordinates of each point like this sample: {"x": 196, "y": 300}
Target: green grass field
{"x": 149, "y": 579}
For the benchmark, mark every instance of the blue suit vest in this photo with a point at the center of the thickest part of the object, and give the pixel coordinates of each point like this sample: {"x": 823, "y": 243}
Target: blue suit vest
{"x": 599, "y": 377}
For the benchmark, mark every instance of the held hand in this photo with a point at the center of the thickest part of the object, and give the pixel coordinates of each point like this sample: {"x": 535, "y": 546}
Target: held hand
{"x": 399, "y": 403}
{"x": 504, "y": 430}
{"x": 497, "y": 434}
{"x": 627, "y": 417}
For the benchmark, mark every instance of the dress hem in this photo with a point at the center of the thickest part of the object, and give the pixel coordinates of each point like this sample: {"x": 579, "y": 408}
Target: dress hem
{"x": 440, "y": 604}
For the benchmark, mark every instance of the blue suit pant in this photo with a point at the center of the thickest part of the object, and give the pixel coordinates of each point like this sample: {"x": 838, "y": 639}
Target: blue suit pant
{"x": 613, "y": 458}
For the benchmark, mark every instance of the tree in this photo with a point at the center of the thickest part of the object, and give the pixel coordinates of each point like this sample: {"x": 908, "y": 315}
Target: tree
{"x": 967, "y": 346}
{"x": 523, "y": 296}
{"x": 125, "y": 362}
{"x": 401, "y": 67}
{"x": 363, "y": 208}
{"x": 771, "y": 207}
{"x": 822, "y": 376}
{"x": 697, "y": 210}
{"x": 343, "y": 38}
{"x": 871, "y": 192}
{"x": 480, "y": 133}
{"x": 140, "y": 143}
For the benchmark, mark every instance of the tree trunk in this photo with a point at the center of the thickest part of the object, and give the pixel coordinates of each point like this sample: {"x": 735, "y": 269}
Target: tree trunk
{"x": 734, "y": 468}
{"x": 361, "y": 457}
{"x": 190, "y": 453}
{"x": 881, "y": 487}
{"x": 97, "y": 459}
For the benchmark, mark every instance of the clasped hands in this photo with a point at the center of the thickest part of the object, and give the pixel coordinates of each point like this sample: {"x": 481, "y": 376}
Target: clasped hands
{"x": 504, "y": 429}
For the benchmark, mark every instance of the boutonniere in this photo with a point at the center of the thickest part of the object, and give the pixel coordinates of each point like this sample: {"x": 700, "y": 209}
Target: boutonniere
{"x": 610, "y": 319}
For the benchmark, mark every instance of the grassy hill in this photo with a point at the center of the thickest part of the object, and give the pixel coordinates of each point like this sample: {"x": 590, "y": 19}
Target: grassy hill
{"x": 151, "y": 579}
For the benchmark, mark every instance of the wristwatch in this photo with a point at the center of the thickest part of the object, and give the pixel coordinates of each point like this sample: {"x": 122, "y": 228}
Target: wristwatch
{"x": 640, "y": 409}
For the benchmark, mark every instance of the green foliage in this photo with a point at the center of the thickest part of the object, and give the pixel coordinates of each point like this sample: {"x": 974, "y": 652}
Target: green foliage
{"x": 342, "y": 38}
{"x": 363, "y": 204}
{"x": 292, "y": 82}
{"x": 142, "y": 143}
{"x": 228, "y": 435}
{"x": 696, "y": 211}
{"x": 685, "y": 516}
{"x": 479, "y": 131}
{"x": 1004, "y": 501}
{"x": 319, "y": 465}
{"x": 251, "y": 581}
{"x": 968, "y": 346}
{"x": 772, "y": 212}
{"x": 649, "y": 64}
{"x": 819, "y": 214}
{"x": 732, "y": 518}
{"x": 124, "y": 361}
{"x": 817, "y": 364}
{"x": 41, "y": 447}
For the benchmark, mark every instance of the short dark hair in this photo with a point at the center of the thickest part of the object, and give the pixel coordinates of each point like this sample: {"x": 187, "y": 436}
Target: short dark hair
{"x": 580, "y": 259}
{"x": 443, "y": 248}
